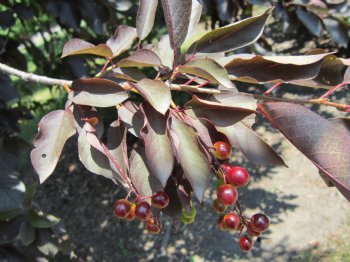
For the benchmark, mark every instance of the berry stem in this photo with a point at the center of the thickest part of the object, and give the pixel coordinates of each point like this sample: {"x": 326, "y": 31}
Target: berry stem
{"x": 330, "y": 91}
{"x": 272, "y": 88}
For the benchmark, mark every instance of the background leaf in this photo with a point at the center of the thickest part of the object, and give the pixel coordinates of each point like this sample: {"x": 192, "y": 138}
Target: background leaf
{"x": 311, "y": 21}
{"x": 326, "y": 143}
{"x": 156, "y": 92}
{"x": 77, "y": 46}
{"x": 177, "y": 16}
{"x": 159, "y": 152}
{"x": 145, "y": 17}
{"x": 27, "y": 233}
{"x": 40, "y": 220}
{"x": 54, "y": 130}
{"x": 98, "y": 92}
{"x": 11, "y": 191}
{"x": 192, "y": 159}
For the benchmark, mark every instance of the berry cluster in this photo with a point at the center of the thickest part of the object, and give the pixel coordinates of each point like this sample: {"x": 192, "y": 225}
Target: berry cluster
{"x": 124, "y": 209}
{"x": 232, "y": 177}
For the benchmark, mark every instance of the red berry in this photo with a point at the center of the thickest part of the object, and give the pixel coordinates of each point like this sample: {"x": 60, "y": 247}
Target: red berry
{"x": 231, "y": 221}
{"x": 252, "y": 233}
{"x": 122, "y": 208}
{"x": 227, "y": 194}
{"x": 259, "y": 222}
{"x": 237, "y": 176}
{"x": 222, "y": 150}
{"x": 245, "y": 243}
{"x": 226, "y": 167}
{"x": 152, "y": 227}
{"x": 143, "y": 210}
{"x": 160, "y": 200}
{"x": 218, "y": 206}
{"x": 131, "y": 215}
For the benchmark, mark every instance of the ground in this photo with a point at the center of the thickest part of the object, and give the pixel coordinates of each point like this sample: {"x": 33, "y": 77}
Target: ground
{"x": 309, "y": 220}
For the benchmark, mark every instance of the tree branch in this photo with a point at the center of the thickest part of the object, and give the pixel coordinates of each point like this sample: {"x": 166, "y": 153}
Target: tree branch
{"x": 32, "y": 77}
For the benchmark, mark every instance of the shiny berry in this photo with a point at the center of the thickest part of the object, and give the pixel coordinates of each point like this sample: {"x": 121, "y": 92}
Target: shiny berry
{"x": 122, "y": 208}
{"x": 259, "y": 222}
{"x": 237, "y": 176}
{"x": 252, "y": 233}
{"x": 160, "y": 200}
{"x": 227, "y": 194}
{"x": 131, "y": 215}
{"x": 226, "y": 167}
{"x": 143, "y": 210}
{"x": 222, "y": 150}
{"x": 153, "y": 227}
{"x": 245, "y": 243}
{"x": 218, "y": 206}
{"x": 231, "y": 221}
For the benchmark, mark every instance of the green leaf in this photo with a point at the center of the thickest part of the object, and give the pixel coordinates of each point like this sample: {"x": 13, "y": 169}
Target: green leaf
{"x": 41, "y": 220}
{"x": 159, "y": 152}
{"x": 261, "y": 69}
{"x": 98, "y": 92}
{"x": 208, "y": 69}
{"x": 26, "y": 233}
{"x": 232, "y": 36}
{"x": 156, "y": 92}
{"x": 54, "y": 130}
{"x": 145, "y": 17}
{"x": 142, "y": 58}
{"x": 189, "y": 153}
{"x": 145, "y": 184}
{"x": 122, "y": 39}
{"x": 11, "y": 192}
{"x": 177, "y": 17}
{"x": 9, "y": 214}
{"x": 77, "y": 46}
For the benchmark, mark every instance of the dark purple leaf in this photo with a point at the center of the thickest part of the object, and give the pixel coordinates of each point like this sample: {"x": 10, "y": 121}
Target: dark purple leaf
{"x": 77, "y": 46}
{"x": 311, "y": 21}
{"x": 145, "y": 17}
{"x": 237, "y": 100}
{"x": 158, "y": 148}
{"x": 132, "y": 117}
{"x": 98, "y": 92}
{"x": 208, "y": 69}
{"x": 54, "y": 130}
{"x": 326, "y": 143}
{"x": 190, "y": 154}
{"x": 232, "y": 36}
{"x": 145, "y": 184}
{"x": 128, "y": 74}
{"x": 156, "y": 92}
{"x": 142, "y": 58}
{"x": 177, "y": 16}
{"x": 122, "y": 39}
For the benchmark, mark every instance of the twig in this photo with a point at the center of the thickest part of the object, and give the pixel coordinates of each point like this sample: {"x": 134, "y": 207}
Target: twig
{"x": 32, "y": 77}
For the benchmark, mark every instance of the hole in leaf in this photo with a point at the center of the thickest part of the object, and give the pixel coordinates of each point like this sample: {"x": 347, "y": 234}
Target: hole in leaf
{"x": 43, "y": 155}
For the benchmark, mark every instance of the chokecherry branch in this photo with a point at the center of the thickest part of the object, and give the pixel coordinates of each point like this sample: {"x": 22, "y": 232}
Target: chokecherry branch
{"x": 177, "y": 87}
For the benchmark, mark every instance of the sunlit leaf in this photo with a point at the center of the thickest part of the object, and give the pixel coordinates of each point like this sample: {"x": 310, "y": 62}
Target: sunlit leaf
{"x": 196, "y": 13}
{"x": 192, "y": 159}
{"x": 156, "y": 92}
{"x": 132, "y": 117}
{"x": 54, "y": 130}
{"x": 208, "y": 69}
{"x": 77, "y": 46}
{"x": 326, "y": 143}
{"x": 142, "y": 58}
{"x": 159, "y": 152}
{"x": 177, "y": 16}
{"x": 145, "y": 17}
{"x": 41, "y": 220}
{"x": 232, "y": 36}
{"x": 98, "y": 92}
{"x": 122, "y": 39}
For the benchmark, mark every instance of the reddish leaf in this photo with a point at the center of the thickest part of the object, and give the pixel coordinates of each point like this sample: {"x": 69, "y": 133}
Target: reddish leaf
{"x": 232, "y": 36}
{"x": 156, "y": 92}
{"x": 208, "y": 69}
{"x": 278, "y": 69}
{"x": 54, "y": 130}
{"x": 158, "y": 147}
{"x": 145, "y": 17}
{"x": 128, "y": 74}
{"x": 122, "y": 39}
{"x": 324, "y": 142}
{"x": 145, "y": 184}
{"x": 237, "y": 100}
{"x": 162, "y": 49}
{"x": 132, "y": 117}
{"x": 196, "y": 13}
{"x": 190, "y": 154}
{"x": 142, "y": 58}
{"x": 77, "y": 46}
{"x": 177, "y": 16}
{"x": 98, "y": 92}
